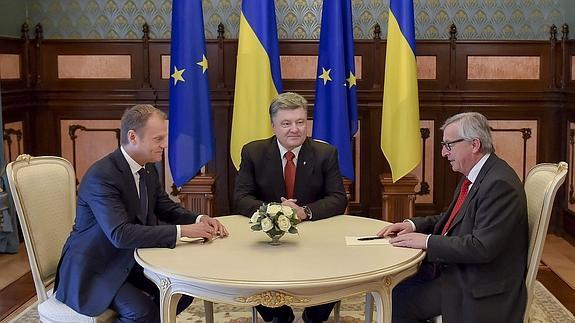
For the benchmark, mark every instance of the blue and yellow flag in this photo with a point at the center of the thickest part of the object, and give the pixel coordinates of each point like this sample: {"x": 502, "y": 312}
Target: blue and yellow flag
{"x": 258, "y": 75}
{"x": 335, "y": 110}
{"x": 190, "y": 138}
{"x": 400, "y": 135}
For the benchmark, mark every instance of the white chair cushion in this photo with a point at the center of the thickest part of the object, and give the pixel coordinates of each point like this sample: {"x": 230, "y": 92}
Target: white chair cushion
{"x": 54, "y": 311}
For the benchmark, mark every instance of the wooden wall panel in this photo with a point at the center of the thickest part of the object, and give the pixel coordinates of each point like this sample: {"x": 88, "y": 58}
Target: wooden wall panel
{"x": 10, "y": 67}
{"x": 85, "y": 141}
{"x": 47, "y": 105}
{"x": 94, "y": 67}
{"x": 516, "y": 141}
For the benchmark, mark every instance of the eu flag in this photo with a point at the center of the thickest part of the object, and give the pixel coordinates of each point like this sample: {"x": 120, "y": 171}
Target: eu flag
{"x": 335, "y": 110}
{"x": 190, "y": 136}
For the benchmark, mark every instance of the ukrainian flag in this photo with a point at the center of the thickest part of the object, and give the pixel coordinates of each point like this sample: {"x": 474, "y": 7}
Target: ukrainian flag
{"x": 258, "y": 75}
{"x": 400, "y": 135}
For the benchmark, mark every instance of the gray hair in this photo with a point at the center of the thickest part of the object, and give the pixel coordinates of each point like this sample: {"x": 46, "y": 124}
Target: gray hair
{"x": 473, "y": 125}
{"x": 135, "y": 118}
{"x": 287, "y": 101}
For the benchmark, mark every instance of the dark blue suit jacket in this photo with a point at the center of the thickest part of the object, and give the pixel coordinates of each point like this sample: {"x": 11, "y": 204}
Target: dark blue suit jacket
{"x": 98, "y": 255}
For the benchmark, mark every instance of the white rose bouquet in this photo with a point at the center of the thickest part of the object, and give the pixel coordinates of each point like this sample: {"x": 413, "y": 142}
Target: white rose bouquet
{"x": 275, "y": 220}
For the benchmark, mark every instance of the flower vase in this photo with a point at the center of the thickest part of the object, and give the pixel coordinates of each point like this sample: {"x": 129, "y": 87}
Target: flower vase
{"x": 275, "y": 238}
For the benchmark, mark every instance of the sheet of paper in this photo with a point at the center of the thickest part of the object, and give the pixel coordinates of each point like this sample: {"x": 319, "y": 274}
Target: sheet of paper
{"x": 186, "y": 239}
{"x": 352, "y": 241}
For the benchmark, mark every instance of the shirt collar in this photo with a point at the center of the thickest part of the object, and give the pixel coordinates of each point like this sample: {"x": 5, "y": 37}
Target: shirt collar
{"x": 134, "y": 166}
{"x": 284, "y": 150}
{"x": 474, "y": 172}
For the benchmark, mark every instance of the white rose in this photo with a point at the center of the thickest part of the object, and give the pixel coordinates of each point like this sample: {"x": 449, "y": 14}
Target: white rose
{"x": 284, "y": 223}
{"x": 287, "y": 210}
{"x": 267, "y": 224}
{"x": 255, "y": 217}
{"x": 273, "y": 209}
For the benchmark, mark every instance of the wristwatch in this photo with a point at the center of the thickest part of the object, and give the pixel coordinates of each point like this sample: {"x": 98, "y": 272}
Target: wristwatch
{"x": 307, "y": 212}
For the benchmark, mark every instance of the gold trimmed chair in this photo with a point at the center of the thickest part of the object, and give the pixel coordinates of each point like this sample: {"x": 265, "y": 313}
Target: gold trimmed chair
{"x": 541, "y": 186}
{"x": 44, "y": 194}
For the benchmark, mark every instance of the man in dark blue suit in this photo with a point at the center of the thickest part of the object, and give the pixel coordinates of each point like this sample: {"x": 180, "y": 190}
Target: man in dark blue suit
{"x": 316, "y": 191}
{"x": 122, "y": 206}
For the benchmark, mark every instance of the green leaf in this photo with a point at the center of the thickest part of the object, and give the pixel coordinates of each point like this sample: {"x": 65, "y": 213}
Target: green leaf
{"x": 256, "y": 227}
{"x": 292, "y": 230}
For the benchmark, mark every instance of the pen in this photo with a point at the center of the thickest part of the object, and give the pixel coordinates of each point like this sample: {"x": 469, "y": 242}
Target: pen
{"x": 370, "y": 238}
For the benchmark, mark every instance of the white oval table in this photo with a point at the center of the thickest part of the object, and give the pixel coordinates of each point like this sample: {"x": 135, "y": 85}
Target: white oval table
{"x": 313, "y": 267}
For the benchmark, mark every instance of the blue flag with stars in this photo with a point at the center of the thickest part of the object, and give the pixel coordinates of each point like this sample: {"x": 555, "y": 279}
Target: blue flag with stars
{"x": 335, "y": 110}
{"x": 190, "y": 144}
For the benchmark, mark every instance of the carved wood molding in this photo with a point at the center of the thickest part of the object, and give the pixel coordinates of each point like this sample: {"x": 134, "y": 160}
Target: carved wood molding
{"x": 571, "y": 162}
{"x": 525, "y": 135}
{"x": 8, "y": 134}
{"x": 72, "y": 129}
{"x": 197, "y": 195}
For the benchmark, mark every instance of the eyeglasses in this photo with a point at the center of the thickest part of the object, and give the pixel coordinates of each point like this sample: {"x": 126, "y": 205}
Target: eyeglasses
{"x": 449, "y": 144}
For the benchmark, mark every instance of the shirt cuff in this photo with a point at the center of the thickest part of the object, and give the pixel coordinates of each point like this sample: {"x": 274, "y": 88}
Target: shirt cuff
{"x": 427, "y": 240}
{"x": 199, "y": 218}
{"x": 178, "y": 233}
{"x": 412, "y": 224}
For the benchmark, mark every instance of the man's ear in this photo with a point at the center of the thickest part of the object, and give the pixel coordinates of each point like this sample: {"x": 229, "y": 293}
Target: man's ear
{"x": 132, "y": 136}
{"x": 476, "y": 143}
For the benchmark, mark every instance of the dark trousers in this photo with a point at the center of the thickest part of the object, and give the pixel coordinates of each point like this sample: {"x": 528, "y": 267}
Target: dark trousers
{"x": 417, "y": 299}
{"x": 138, "y": 300}
{"x": 284, "y": 314}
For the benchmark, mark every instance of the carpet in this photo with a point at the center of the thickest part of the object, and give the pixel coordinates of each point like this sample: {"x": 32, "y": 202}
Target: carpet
{"x": 545, "y": 309}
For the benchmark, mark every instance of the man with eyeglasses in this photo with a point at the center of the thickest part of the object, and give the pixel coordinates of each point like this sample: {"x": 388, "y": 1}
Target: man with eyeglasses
{"x": 477, "y": 249}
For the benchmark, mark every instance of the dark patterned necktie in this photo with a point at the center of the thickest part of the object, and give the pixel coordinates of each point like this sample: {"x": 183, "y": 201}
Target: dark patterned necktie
{"x": 143, "y": 193}
{"x": 460, "y": 199}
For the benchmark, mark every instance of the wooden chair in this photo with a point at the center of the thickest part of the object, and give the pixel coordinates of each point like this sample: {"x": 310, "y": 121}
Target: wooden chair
{"x": 44, "y": 193}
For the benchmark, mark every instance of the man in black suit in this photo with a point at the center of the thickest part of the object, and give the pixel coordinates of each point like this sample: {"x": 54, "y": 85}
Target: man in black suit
{"x": 316, "y": 193}
{"x": 122, "y": 206}
{"x": 477, "y": 249}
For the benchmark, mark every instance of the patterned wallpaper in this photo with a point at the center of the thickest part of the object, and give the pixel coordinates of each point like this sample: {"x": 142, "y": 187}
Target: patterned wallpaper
{"x": 299, "y": 19}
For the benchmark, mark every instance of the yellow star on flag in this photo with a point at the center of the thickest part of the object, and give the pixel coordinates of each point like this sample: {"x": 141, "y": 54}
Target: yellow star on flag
{"x": 351, "y": 80}
{"x": 203, "y": 63}
{"x": 178, "y": 75}
{"x": 325, "y": 76}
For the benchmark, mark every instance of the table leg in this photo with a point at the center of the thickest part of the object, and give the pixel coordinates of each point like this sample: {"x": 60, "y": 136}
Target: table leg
{"x": 368, "y": 307}
{"x": 382, "y": 299}
{"x": 209, "y": 311}
{"x": 168, "y": 304}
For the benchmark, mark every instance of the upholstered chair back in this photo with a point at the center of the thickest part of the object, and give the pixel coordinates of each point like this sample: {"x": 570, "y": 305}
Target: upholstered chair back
{"x": 541, "y": 186}
{"x": 44, "y": 194}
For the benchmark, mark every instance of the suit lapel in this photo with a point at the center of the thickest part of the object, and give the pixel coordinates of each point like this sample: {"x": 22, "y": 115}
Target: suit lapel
{"x": 473, "y": 190}
{"x": 304, "y": 169}
{"x": 128, "y": 178}
{"x": 274, "y": 162}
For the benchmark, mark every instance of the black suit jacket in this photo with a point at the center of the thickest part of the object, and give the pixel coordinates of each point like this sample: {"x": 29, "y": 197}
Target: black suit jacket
{"x": 318, "y": 182}
{"x": 99, "y": 254}
{"x": 483, "y": 257}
